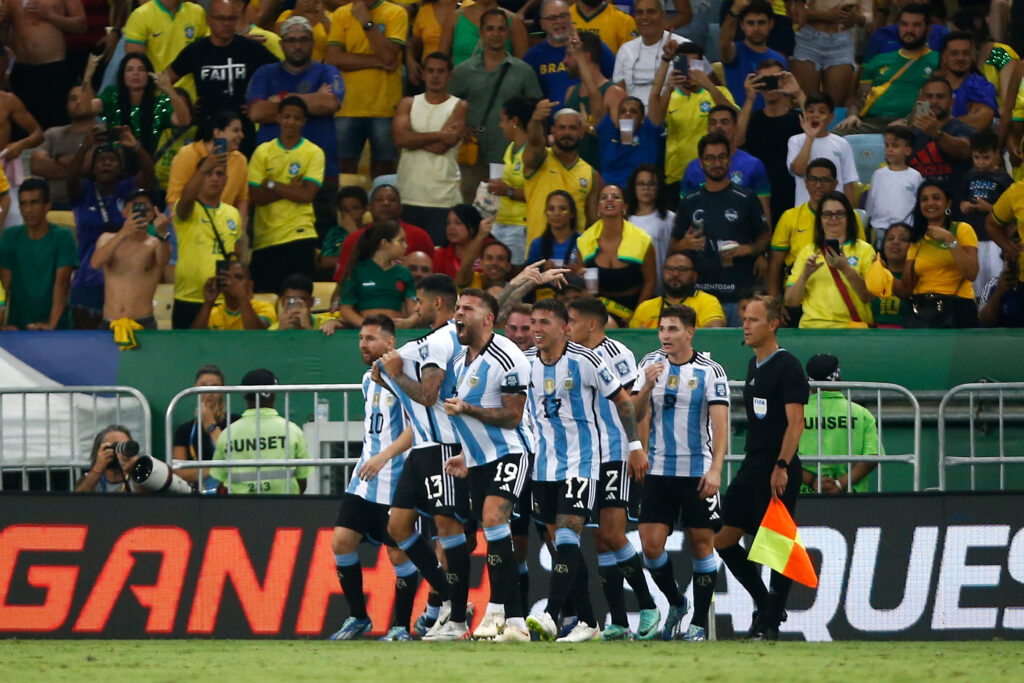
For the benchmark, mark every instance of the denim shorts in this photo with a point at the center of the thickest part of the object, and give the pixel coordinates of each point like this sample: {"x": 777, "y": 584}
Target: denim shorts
{"x": 513, "y": 237}
{"x": 354, "y": 131}
{"x": 824, "y": 49}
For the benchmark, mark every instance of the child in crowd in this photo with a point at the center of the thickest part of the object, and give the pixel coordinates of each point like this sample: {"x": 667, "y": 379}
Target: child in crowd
{"x": 979, "y": 188}
{"x": 816, "y": 142}
{"x": 893, "y": 191}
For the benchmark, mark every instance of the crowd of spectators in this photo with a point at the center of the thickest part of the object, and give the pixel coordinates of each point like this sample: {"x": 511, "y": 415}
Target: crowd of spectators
{"x": 855, "y": 159}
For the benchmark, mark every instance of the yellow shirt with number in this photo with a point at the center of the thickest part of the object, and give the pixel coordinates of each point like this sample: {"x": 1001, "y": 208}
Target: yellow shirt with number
{"x": 551, "y": 175}
{"x": 795, "y": 230}
{"x": 223, "y": 319}
{"x": 369, "y": 92}
{"x": 705, "y": 305}
{"x": 198, "y": 249}
{"x": 1010, "y": 207}
{"x": 164, "y": 34}
{"x": 512, "y": 211}
{"x": 824, "y": 307}
{"x": 613, "y": 26}
{"x": 686, "y": 122}
{"x": 935, "y": 267}
{"x": 284, "y": 221}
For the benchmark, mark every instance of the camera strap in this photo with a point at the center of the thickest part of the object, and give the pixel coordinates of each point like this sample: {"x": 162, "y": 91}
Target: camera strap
{"x": 216, "y": 233}
{"x": 99, "y": 202}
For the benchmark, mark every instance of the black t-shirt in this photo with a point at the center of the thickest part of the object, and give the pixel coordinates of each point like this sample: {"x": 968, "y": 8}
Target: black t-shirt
{"x": 767, "y": 139}
{"x": 222, "y": 75}
{"x": 769, "y": 387}
{"x": 932, "y": 163}
{"x": 987, "y": 185}
{"x": 187, "y": 435}
{"x": 733, "y": 214}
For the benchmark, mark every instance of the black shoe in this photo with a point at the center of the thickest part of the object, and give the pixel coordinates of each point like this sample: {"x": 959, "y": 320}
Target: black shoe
{"x": 766, "y": 632}
{"x": 755, "y": 626}
{"x": 767, "y": 627}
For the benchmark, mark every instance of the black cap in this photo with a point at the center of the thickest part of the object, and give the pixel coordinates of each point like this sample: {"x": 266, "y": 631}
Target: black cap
{"x": 256, "y": 378}
{"x": 823, "y": 367}
{"x": 573, "y": 281}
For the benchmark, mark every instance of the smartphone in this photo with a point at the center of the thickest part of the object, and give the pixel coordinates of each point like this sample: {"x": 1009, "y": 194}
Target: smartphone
{"x": 681, "y": 63}
{"x": 220, "y": 145}
{"x": 922, "y": 109}
{"x": 769, "y": 82}
{"x": 292, "y": 303}
{"x": 222, "y": 271}
{"x": 140, "y": 210}
{"x": 833, "y": 244}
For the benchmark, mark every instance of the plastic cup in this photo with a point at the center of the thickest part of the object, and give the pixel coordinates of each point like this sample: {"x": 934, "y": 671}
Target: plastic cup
{"x": 626, "y": 131}
{"x": 590, "y": 278}
{"x": 496, "y": 171}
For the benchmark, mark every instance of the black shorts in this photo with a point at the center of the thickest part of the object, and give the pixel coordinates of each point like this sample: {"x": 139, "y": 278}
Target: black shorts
{"x": 504, "y": 477}
{"x": 271, "y": 265}
{"x": 574, "y": 496}
{"x": 425, "y": 487}
{"x": 749, "y": 493}
{"x": 674, "y": 502}
{"x": 617, "y": 490}
{"x": 369, "y": 519}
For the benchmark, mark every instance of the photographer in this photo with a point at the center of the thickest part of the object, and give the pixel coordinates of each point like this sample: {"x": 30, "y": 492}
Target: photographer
{"x": 132, "y": 261}
{"x": 108, "y": 471}
{"x": 296, "y": 305}
{"x": 237, "y": 310}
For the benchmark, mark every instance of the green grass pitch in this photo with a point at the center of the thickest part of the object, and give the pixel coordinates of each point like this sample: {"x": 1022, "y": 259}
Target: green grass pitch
{"x": 250, "y": 661}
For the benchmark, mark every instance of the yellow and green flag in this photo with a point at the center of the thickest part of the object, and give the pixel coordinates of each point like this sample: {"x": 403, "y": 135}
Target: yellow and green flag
{"x": 778, "y": 545}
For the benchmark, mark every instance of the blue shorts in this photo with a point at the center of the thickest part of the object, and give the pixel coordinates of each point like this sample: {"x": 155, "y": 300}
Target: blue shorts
{"x": 353, "y": 132}
{"x": 824, "y": 50}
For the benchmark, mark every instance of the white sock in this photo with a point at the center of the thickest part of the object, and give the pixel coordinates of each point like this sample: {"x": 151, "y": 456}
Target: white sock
{"x": 517, "y": 622}
{"x": 495, "y": 607}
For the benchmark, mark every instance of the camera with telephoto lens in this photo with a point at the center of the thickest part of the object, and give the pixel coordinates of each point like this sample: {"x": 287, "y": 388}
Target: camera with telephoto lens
{"x": 150, "y": 473}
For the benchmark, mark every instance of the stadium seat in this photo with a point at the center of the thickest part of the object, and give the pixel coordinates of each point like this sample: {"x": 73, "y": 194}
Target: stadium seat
{"x": 838, "y": 115}
{"x": 269, "y": 297}
{"x": 868, "y": 153}
{"x": 388, "y": 179}
{"x": 322, "y": 292}
{"x": 359, "y": 179}
{"x": 719, "y": 71}
{"x": 163, "y": 302}
{"x": 63, "y": 218}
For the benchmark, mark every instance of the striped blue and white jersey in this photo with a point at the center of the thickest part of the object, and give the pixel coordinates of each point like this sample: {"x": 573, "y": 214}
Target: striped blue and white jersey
{"x": 614, "y": 443}
{"x": 680, "y": 444}
{"x": 499, "y": 369}
{"x": 430, "y": 424}
{"x": 564, "y": 399}
{"x": 383, "y": 422}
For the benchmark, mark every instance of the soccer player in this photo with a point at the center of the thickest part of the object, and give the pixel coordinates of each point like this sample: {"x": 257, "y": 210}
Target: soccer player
{"x": 687, "y": 396}
{"x": 422, "y": 375}
{"x": 565, "y": 381}
{"x": 774, "y": 396}
{"x": 364, "y": 505}
{"x": 616, "y": 556}
{"x": 487, "y": 412}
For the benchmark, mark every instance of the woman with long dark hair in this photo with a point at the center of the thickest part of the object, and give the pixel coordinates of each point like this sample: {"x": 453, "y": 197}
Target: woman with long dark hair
{"x": 510, "y": 223}
{"x": 890, "y": 311}
{"x": 647, "y": 208}
{"x": 556, "y": 244}
{"x": 941, "y": 263}
{"x": 375, "y": 280}
{"x": 134, "y": 102}
{"x": 199, "y": 435}
{"x": 833, "y": 296}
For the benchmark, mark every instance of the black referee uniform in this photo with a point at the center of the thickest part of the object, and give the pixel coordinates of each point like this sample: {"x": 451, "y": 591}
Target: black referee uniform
{"x": 770, "y": 385}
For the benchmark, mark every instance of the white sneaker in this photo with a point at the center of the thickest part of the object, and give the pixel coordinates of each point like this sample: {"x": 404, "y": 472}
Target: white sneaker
{"x": 490, "y": 626}
{"x": 581, "y": 634}
{"x": 452, "y": 630}
{"x": 513, "y": 634}
{"x": 543, "y": 625}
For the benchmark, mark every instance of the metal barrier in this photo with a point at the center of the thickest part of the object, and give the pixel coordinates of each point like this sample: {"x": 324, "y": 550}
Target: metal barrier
{"x": 863, "y": 390}
{"x": 30, "y": 437}
{"x": 980, "y": 413}
{"x": 321, "y": 423}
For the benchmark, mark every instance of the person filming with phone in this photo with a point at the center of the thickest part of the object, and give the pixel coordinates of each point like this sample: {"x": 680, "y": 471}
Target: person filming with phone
{"x": 942, "y": 144}
{"x": 132, "y": 260}
{"x": 228, "y": 303}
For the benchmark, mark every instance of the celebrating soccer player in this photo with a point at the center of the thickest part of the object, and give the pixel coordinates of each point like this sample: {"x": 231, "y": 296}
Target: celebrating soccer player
{"x": 687, "y": 396}
{"x": 774, "y": 396}
{"x": 616, "y": 556}
{"x": 364, "y": 505}
{"x": 422, "y": 375}
{"x": 487, "y": 411}
{"x": 565, "y": 381}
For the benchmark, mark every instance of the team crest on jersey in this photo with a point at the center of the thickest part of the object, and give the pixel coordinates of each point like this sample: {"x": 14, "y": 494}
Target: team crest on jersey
{"x": 673, "y": 382}
{"x": 583, "y": 182}
{"x": 516, "y": 166}
{"x": 549, "y": 385}
{"x": 232, "y": 226}
{"x": 622, "y": 367}
{"x": 293, "y": 168}
{"x": 852, "y": 260}
{"x": 705, "y": 107}
{"x": 190, "y": 31}
{"x": 692, "y": 383}
{"x": 731, "y": 215}
{"x": 760, "y": 407}
{"x": 736, "y": 177}
{"x": 473, "y": 380}
{"x": 424, "y": 351}
{"x": 568, "y": 383}
{"x": 389, "y": 400}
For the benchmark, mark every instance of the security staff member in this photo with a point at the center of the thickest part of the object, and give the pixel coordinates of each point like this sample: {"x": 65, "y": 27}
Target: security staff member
{"x": 774, "y": 396}
{"x": 261, "y": 433}
{"x": 847, "y": 429}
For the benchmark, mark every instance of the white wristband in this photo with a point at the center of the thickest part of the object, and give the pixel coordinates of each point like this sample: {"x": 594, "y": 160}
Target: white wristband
{"x": 635, "y": 446}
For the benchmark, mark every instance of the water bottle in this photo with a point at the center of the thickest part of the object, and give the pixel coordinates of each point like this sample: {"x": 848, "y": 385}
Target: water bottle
{"x": 323, "y": 409}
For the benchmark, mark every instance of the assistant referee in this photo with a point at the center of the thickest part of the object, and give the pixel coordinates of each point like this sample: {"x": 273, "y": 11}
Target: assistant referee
{"x": 774, "y": 395}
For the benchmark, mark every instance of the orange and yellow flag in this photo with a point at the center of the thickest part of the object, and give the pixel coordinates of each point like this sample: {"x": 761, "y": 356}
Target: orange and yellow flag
{"x": 778, "y": 545}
